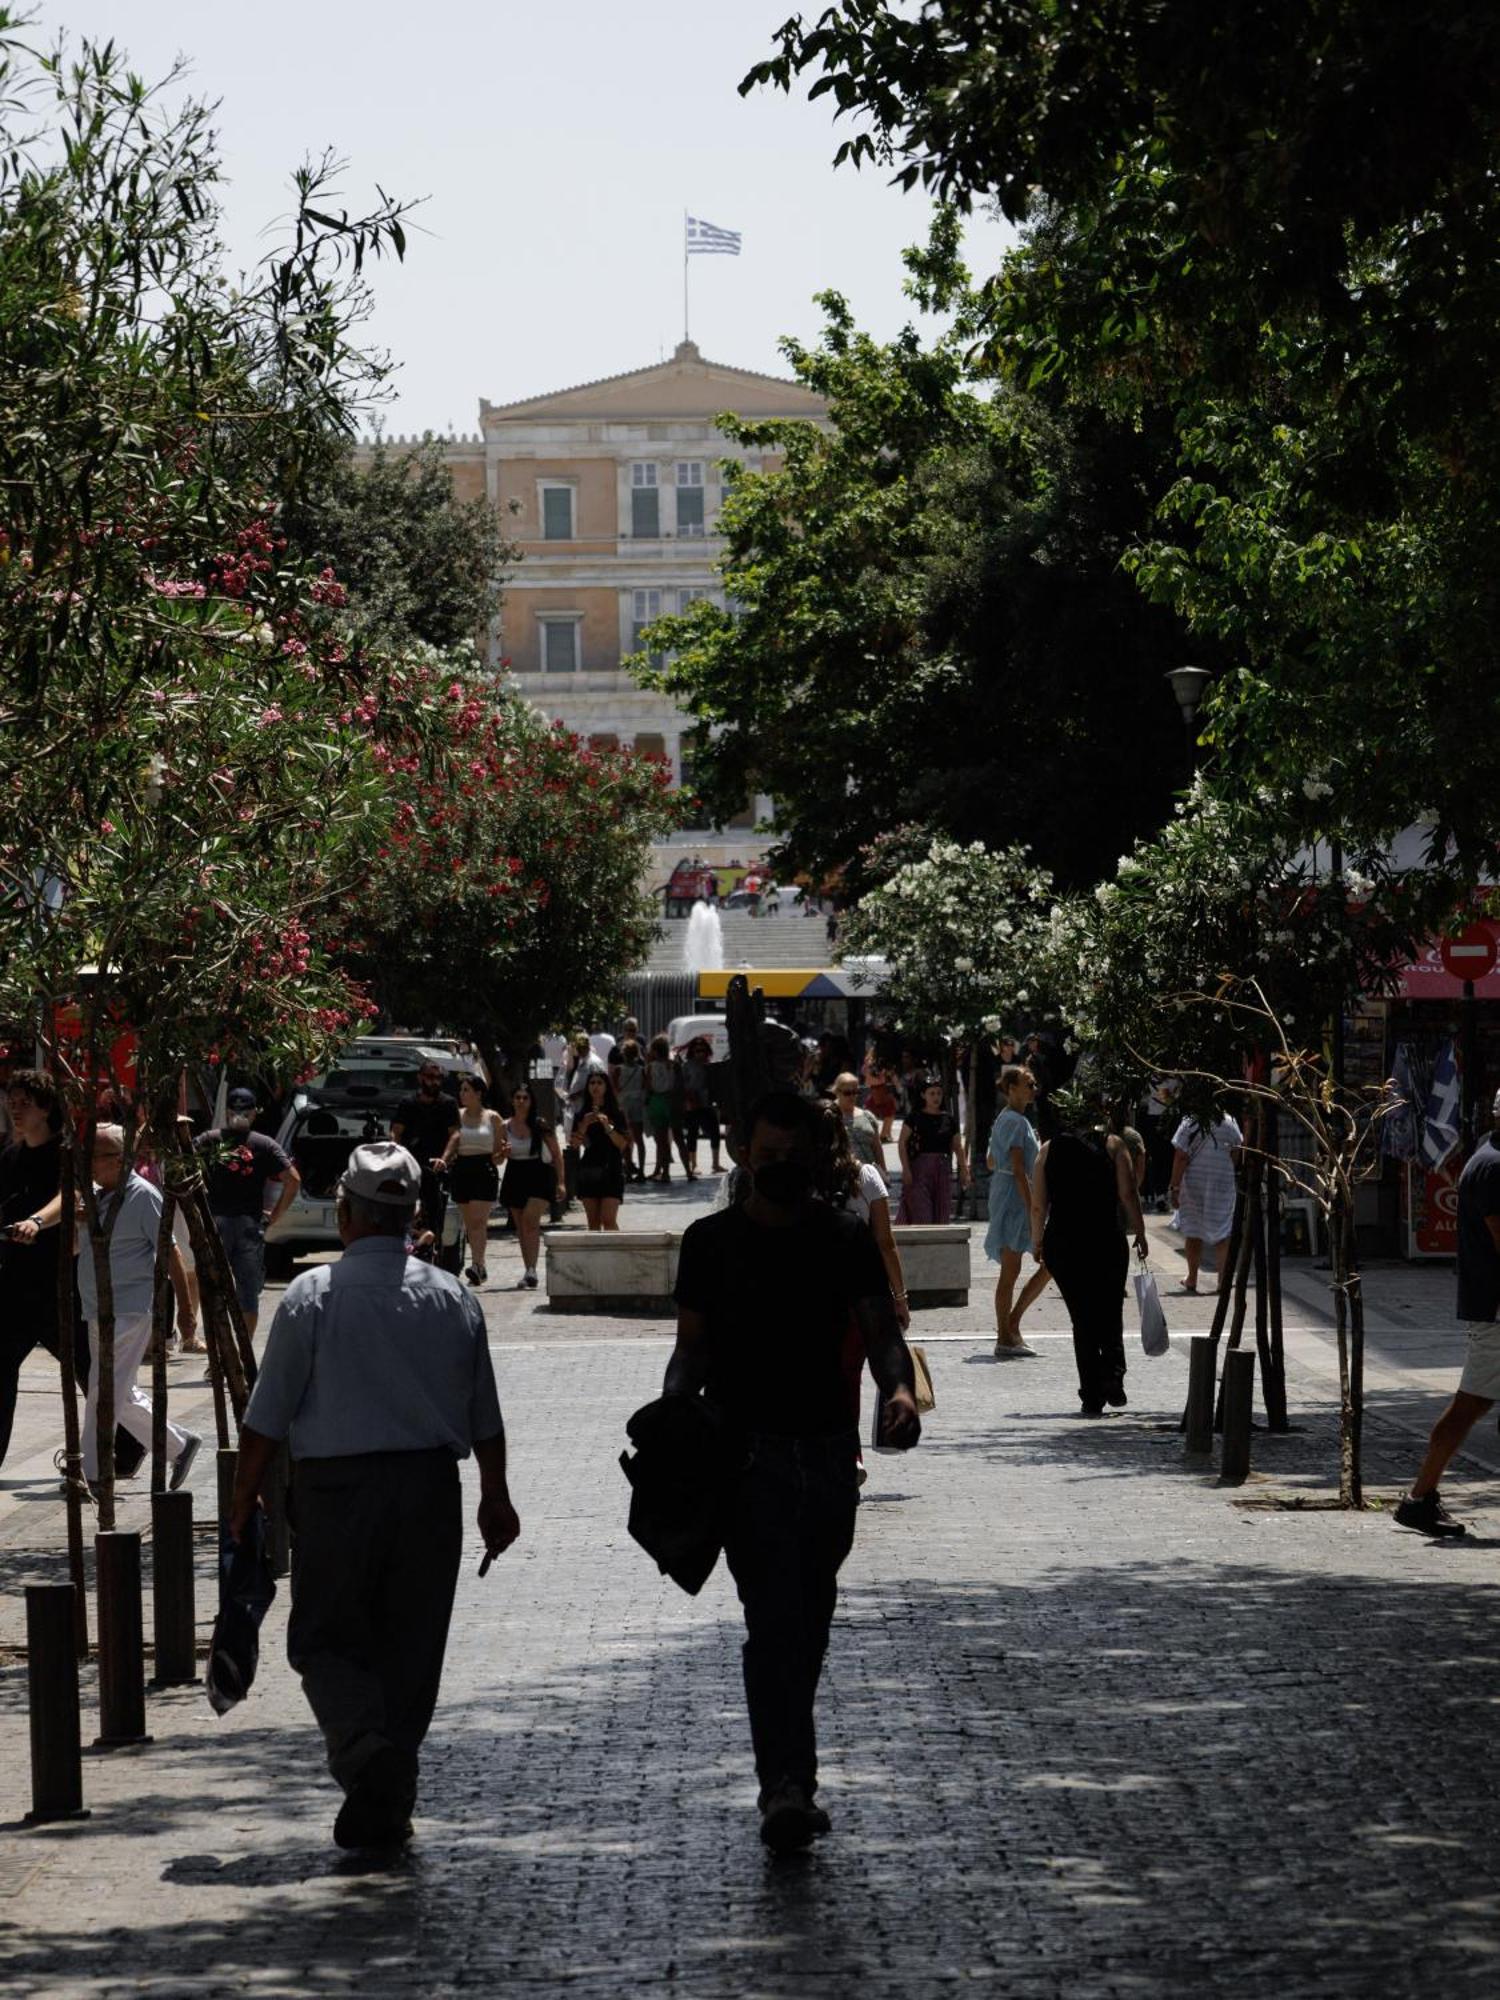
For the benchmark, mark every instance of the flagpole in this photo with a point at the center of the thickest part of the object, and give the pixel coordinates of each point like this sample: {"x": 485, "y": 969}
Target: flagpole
{"x": 684, "y": 278}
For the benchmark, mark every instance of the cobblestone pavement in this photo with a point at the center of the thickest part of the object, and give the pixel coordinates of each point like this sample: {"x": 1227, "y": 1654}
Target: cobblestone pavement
{"x": 1092, "y": 1725}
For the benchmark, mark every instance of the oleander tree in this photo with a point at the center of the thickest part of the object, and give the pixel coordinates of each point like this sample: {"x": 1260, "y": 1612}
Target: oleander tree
{"x": 187, "y": 725}
{"x": 509, "y": 892}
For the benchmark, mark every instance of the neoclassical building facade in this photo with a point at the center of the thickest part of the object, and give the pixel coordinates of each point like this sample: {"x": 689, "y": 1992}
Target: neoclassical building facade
{"x": 611, "y": 490}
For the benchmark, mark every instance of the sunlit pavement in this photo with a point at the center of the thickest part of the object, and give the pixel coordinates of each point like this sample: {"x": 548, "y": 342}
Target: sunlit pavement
{"x": 1092, "y": 1725}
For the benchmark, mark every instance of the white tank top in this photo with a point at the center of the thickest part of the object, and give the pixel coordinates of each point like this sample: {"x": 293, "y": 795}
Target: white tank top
{"x": 521, "y": 1148}
{"x": 475, "y": 1138}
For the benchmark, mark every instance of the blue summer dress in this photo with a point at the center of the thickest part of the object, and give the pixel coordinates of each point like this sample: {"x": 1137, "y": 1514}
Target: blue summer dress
{"x": 1010, "y": 1217}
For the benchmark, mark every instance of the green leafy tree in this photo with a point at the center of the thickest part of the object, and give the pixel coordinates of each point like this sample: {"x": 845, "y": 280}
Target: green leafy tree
{"x": 927, "y": 618}
{"x": 419, "y": 564}
{"x": 1257, "y": 217}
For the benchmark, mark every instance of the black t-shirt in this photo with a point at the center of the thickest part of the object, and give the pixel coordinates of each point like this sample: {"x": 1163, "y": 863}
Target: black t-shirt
{"x": 28, "y": 1181}
{"x": 1478, "y": 1259}
{"x": 239, "y": 1165}
{"x": 425, "y": 1124}
{"x": 932, "y": 1131}
{"x": 777, "y": 1303}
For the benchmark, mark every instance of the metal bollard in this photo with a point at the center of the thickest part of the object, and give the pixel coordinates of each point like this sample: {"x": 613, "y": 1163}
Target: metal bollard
{"x": 1239, "y": 1404}
{"x": 277, "y": 1486}
{"x": 172, "y": 1596}
{"x": 1200, "y": 1399}
{"x": 228, "y": 1463}
{"x": 52, "y": 1695}
{"x": 122, "y": 1669}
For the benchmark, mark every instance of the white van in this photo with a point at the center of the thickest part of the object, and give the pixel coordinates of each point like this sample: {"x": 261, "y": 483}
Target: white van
{"x": 713, "y": 1027}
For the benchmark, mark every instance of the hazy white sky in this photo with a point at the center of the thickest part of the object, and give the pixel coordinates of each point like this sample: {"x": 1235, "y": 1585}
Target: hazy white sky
{"x": 558, "y": 143}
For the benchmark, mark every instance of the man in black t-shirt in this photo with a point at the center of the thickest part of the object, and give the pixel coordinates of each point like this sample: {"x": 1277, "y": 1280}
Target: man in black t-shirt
{"x": 1478, "y": 1303}
{"x": 28, "y": 1254}
{"x": 765, "y": 1291}
{"x": 423, "y": 1124}
{"x": 239, "y": 1163}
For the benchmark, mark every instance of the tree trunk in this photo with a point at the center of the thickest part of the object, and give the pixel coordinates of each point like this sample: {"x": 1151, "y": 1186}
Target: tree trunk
{"x": 1249, "y": 1224}
{"x": 67, "y": 1336}
{"x": 1338, "y": 1251}
{"x": 1273, "y": 1361}
{"x": 1356, "y": 1365}
{"x": 1221, "y": 1300}
{"x": 161, "y": 1322}
{"x": 104, "y": 1364}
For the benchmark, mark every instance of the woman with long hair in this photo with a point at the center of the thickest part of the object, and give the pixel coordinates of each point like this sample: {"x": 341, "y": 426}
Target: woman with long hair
{"x": 931, "y": 1145}
{"x": 700, "y": 1119}
{"x": 845, "y": 1182}
{"x": 472, "y": 1158}
{"x": 1083, "y": 1197}
{"x": 1011, "y": 1156}
{"x": 601, "y": 1138}
{"x": 533, "y": 1173}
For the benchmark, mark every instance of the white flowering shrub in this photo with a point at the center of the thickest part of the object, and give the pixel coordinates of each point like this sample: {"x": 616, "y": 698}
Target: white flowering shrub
{"x": 1219, "y": 896}
{"x": 961, "y": 929}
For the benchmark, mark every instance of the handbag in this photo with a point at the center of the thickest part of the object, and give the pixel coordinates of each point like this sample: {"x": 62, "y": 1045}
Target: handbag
{"x": 926, "y": 1400}
{"x": 1154, "y": 1336}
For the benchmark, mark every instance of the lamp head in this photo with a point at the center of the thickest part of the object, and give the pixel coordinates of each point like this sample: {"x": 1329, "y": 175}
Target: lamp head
{"x": 1188, "y": 686}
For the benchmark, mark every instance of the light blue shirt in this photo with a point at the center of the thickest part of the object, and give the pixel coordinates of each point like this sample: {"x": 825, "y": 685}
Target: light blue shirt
{"x": 378, "y": 1352}
{"x": 132, "y": 1249}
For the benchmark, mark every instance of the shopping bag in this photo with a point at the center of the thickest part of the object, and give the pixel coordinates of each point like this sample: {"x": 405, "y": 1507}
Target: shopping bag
{"x": 1154, "y": 1336}
{"x": 926, "y": 1400}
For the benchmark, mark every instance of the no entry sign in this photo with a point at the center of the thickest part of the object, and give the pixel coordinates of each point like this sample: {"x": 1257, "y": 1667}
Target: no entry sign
{"x": 1470, "y": 955}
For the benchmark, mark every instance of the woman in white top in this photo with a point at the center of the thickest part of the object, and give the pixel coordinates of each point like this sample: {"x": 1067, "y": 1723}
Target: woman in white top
{"x": 1203, "y": 1163}
{"x": 847, "y": 1184}
{"x": 533, "y": 1174}
{"x": 472, "y": 1158}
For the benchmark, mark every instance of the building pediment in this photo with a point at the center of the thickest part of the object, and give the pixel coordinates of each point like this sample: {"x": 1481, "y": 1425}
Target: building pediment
{"x": 685, "y": 386}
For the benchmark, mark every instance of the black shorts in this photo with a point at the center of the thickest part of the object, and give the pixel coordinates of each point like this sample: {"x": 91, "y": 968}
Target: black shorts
{"x": 526, "y": 1180}
{"x": 473, "y": 1179}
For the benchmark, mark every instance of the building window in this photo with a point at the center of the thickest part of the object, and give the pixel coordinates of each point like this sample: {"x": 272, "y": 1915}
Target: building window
{"x": 697, "y": 820}
{"x": 690, "y": 496}
{"x": 560, "y": 637}
{"x": 557, "y": 513}
{"x": 646, "y": 605}
{"x": 645, "y": 501}
{"x": 687, "y": 597}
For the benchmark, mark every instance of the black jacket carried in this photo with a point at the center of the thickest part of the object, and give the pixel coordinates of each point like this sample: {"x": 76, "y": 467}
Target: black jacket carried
{"x": 681, "y": 1474}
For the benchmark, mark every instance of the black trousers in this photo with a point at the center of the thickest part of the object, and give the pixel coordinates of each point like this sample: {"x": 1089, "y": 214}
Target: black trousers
{"x": 374, "y": 1564}
{"x": 1093, "y": 1290}
{"x": 28, "y": 1320}
{"x": 791, "y": 1526}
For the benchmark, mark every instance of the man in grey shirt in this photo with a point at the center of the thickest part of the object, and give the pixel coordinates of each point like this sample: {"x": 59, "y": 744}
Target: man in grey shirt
{"x": 377, "y": 1370}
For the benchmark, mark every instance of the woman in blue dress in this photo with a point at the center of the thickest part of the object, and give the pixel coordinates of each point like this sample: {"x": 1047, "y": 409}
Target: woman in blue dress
{"x": 1012, "y": 1154}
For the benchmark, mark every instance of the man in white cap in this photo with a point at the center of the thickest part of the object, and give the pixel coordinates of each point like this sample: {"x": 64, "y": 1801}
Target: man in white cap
{"x": 1478, "y": 1303}
{"x": 377, "y": 1370}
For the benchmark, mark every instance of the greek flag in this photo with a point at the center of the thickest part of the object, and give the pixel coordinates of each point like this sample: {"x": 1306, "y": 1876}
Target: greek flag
{"x": 706, "y": 239}
{"x": 1398, "y": 1133}
{"x": 1440, "y": 1117}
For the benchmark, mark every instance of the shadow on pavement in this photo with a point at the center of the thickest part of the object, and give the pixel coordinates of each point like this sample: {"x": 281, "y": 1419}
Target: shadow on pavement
{"x": 1143, "y": 1776}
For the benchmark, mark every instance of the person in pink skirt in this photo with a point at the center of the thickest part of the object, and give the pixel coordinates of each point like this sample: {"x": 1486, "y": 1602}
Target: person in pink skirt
{"x": 931, "y": 1146}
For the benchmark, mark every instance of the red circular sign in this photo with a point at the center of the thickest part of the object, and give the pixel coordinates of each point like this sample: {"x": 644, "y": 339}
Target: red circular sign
{"x": 1470, "y": 955}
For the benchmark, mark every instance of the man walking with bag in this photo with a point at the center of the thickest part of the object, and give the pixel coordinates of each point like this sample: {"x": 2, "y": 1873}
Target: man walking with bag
{"x": 377, "y": 1370}
{"x": 765, "y": 1290}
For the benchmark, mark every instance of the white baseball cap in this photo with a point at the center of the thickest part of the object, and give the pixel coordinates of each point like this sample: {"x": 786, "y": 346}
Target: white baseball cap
{"x": 382, "y": 1171}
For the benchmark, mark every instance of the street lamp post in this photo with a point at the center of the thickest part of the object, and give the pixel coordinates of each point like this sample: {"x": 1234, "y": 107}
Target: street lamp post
{"x": 1188, "y": 687}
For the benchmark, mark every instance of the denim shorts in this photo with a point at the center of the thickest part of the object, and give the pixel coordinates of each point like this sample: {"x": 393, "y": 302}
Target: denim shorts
{"x": 244, "y": 1240}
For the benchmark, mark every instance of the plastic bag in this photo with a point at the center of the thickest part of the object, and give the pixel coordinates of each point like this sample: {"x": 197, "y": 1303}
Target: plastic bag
{"x": 1154, "y": 1336}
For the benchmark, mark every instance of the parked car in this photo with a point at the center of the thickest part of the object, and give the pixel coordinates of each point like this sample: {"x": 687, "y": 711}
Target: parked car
{"x": 328, "y": 1118}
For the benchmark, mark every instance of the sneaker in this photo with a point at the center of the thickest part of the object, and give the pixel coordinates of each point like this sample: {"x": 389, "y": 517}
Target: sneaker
{"x": 787, "y": 1819}
{"x": 472, "y": 1274}
{"x": 1428, "y": 1516}
{"x": 184, "y": 1463}
{"x": 529, "y": 1281}
{"x": 1115, "y": 1394}
{"x": 1006, "y": 1350}
{"x": 860, "y": 1474}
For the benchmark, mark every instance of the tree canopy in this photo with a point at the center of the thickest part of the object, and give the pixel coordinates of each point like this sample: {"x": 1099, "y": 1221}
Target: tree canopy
{"x": 927, "y": 619}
